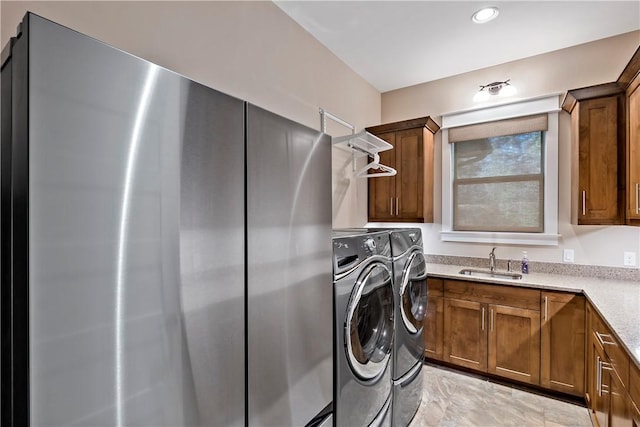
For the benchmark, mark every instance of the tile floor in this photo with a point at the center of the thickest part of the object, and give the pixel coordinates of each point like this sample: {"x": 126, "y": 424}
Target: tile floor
{"x": 452, "y": 399}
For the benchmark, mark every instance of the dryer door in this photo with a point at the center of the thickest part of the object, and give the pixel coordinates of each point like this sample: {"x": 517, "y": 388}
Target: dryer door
{"x": 369, "y": 323}
{"x": 413, "y": 293}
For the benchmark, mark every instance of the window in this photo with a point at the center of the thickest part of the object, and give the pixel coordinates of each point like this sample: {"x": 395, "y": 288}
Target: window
{"x": 498, "y": 183}
{"x": 500, "y": 174}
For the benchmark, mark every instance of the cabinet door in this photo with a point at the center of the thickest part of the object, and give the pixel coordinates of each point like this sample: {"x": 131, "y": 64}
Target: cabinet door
{"x": 514, "y": 343}
{"x": 434, "y": 328}
{"x": 465, "y": 333}
{"x": 635, "y": 415}
{"x": 633, "y": 144}
{"x": 382, "y": 190}
{"x": 598, "y": 162}
{"x": 619, "y": 401}
{"x": 410, "y": 177}
{"x": 634, "y": 391}
{"x": 562, "y": 342}
{"x": 601, "y": 397}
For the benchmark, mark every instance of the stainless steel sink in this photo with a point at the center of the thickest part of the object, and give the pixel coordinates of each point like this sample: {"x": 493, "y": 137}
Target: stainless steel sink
{"x": 495, "y": 274}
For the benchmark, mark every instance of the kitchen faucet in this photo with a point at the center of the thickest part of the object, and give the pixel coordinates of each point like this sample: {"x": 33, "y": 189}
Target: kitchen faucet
{"x": 492, "y": 260}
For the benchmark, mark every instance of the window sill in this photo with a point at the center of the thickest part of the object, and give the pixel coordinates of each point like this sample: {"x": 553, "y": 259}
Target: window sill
{"x": 532, "y": 239}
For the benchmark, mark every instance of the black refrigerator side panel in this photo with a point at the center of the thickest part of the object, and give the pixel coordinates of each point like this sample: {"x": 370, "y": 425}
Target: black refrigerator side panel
{"x": 15, "y": 232}
{"x": 5, "y": 235}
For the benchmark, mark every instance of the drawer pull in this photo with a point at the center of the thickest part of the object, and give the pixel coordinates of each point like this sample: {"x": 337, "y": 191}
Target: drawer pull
{"x": 604, "y": 341}
{"x": 546, "y": 308}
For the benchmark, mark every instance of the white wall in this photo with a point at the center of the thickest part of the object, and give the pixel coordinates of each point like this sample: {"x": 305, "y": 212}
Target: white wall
{"x": 556, "y": 72}
{"x": 251, "y": 50}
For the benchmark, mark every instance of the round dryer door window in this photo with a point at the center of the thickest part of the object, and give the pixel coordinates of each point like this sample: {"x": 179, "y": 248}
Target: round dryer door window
{"x": 369, "y": 323}
{"x": 413, "y": 293}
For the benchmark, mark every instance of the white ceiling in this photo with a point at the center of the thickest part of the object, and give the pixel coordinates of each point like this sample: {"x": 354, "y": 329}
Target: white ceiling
{"x": 394, "y": 44}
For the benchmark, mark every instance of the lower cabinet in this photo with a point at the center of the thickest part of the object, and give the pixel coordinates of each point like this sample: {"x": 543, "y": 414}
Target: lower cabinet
{"x": 563, "y": 338}
{"x": 619, "y": 401}
{"x": 494, "y": 329}
{"x": 634, "y": 393}
{"x": 465, "y": 333}
{"x": 552, "y": 339}
{"x": 610, "y": 377}
{"x": 514, "y": 343}
{"x": 600, "y": 394}
{"x": 434, "y": 320}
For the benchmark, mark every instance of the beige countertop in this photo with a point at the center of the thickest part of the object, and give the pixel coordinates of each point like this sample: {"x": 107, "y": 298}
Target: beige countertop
{"x": 617, "y": 301}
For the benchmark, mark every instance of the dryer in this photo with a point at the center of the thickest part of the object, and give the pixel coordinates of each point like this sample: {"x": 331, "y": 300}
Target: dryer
{"x": 364, "y": 328}
{"x": 410, "y": 291}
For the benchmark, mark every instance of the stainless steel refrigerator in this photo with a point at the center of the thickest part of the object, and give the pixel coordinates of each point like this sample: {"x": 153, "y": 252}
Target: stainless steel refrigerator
{"x": 166, "y": 248}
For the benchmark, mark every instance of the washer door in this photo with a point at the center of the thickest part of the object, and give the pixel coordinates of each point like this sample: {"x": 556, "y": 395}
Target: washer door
{"x": 413, "y": 293}
{"x": 369, "y": 323}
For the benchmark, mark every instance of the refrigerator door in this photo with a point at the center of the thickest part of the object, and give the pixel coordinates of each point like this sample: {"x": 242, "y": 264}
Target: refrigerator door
{"x": 289, "y": 290}
{"x": 134, "y": 271}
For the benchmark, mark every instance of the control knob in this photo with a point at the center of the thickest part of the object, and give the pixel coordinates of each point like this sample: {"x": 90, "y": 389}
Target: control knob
{"x": 370, "y": 244}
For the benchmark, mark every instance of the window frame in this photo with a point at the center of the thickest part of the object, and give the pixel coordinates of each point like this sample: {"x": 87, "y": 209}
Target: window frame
{"x": 549, "y": 105}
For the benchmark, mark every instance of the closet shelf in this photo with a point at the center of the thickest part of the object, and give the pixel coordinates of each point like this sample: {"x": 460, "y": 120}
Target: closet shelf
{"x": 363, "y": 142}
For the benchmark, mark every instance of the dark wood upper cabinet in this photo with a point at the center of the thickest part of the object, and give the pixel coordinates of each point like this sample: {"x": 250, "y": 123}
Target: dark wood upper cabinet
{"x": 605, "y": 139}
{"x": 597, "y": 146}
{"x": 633, "y": 142}
{"x": 407, "y": 196}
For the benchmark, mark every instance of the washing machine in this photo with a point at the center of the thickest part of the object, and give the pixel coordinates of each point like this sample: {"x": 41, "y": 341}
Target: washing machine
{"x": 364, "y": 328}
{"x": 410, "y": 290}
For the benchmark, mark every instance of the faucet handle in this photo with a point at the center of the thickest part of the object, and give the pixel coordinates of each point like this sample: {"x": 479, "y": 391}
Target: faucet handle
{"x": 493, "y": 250}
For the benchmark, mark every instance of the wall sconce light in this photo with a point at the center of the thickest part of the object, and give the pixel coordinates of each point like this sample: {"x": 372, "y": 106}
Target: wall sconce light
{"x": 502, "y": 89}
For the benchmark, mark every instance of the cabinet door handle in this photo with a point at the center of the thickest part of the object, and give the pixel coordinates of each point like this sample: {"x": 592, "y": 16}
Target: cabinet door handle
{"x": 546, "y": 308}
{"x": 390, "y": 205}
{"x": 483, "y": 318}
{"x": 603, "y": 341}
{"x": 584, "y": 203}
{"x": 598, "y": 376}
{"x": 397, "y": 206}
{"x": 491, "y": 318}
{"x": 637, "y": 196}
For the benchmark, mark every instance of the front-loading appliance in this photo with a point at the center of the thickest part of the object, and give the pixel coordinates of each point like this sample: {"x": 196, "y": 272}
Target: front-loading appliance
{"x": 410, "y": 291}
{"x": 364, "y": 328}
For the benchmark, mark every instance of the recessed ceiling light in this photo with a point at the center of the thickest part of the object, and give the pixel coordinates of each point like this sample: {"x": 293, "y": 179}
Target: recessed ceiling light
{"x": 485, "y": 15}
